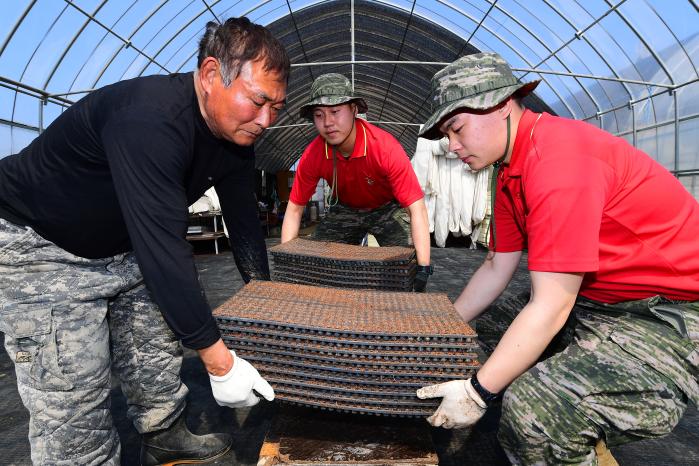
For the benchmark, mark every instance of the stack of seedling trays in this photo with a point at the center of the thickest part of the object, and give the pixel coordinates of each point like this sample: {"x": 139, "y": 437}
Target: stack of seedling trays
{"x": 343, "y": 265}
{"x": 360, "y": 351}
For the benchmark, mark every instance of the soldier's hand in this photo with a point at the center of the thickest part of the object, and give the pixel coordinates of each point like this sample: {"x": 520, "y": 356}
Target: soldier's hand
{"x": 236, "y": 389}
{"x": 421, "y": 277}
{"x": 461, "y": 406}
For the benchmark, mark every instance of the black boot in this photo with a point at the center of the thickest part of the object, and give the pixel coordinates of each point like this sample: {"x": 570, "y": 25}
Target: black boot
{"x": 177, "y": 445}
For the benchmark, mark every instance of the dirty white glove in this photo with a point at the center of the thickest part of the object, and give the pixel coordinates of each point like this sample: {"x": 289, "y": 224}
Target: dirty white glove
{"x": 235, "y": 389}
{"x": 461, "y": 405}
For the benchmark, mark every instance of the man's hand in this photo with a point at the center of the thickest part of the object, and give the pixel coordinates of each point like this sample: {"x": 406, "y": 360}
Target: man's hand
{"x": 236, "y": 389}
{"x": 421, "y": 277}
{"x": 461, "y": 406}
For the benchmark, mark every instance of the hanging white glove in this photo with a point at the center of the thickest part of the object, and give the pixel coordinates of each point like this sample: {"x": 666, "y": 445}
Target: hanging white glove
{"x": 235, "y": 388}
{"x": 461, "y": 405}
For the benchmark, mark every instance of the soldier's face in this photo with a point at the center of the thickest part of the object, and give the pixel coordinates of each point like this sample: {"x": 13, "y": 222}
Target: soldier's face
{"x": 240, "y": 112}
{"x": 334, "y": 124}
{"x": 479, "y": 139}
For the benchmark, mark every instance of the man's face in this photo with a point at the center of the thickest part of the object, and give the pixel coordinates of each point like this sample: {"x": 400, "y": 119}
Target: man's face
{"x": 239, "y": 113}
{"x": 479, "y": 139}
{"x": 334, "y": 124}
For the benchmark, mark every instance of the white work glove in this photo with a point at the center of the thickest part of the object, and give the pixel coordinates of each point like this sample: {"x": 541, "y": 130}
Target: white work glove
{"x": 235, "y": 388}
{"x": 461, "y": 405}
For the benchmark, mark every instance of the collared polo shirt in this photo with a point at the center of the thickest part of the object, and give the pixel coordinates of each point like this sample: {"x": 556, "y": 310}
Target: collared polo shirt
{"x": 377, "y": 172}
{"x": 581, "y": 200}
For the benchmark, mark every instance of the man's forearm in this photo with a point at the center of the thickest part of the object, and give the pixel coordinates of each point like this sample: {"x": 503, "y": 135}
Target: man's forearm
{"x": 519, "y": 349}
{"x": 553, "y": 298}
{"x": 486, "y": 284}
{"x": 292, "y": 221}
{"x": 216, "y": 358}
{"x": 420, "y": 231}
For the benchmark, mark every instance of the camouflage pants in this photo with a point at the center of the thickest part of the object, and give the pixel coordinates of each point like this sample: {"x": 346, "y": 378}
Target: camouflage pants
{"x": 66, "y": 320}
{"x": 626, "y": 375}
{"x": 344, "y": 224}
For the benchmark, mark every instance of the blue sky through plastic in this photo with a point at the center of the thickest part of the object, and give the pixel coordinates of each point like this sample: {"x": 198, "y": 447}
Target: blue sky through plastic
{"x": 63, "y": 46}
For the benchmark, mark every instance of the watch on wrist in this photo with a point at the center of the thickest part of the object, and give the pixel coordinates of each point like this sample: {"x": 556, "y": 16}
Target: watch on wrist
{"x": 428, "y": 269}
{"x": 487, "y": 396}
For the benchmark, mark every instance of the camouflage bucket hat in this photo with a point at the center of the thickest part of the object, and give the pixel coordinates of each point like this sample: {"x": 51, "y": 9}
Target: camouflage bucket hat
{"x": 479, "y": 82}
{"x": 328, "y": 90}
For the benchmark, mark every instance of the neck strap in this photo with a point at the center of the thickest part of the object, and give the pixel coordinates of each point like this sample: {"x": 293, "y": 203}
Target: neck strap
{"x": 507, "y": 145}
{"x": 332, "y": 198}
{"x": 494, "y": 182}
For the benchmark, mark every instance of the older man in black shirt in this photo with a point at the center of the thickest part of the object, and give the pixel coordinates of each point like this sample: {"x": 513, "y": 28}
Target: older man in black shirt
{"x": 93, "y": 218}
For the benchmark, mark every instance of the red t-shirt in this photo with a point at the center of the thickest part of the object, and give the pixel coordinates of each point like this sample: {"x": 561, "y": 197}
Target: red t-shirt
{"x": 582, "y": 200}
{"x": 377, "y": 172}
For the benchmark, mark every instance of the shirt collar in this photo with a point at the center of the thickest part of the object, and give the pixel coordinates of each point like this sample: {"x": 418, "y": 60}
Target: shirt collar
{"x": 360, "y": 142}
{"x": 522, "y": 142}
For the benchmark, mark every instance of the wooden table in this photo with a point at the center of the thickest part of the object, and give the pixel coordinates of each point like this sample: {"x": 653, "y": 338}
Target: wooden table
{"x": 305, "y": 436}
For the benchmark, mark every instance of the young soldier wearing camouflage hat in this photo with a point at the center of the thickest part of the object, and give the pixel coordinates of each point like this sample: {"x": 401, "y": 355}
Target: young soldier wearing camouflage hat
{"x": 369, "y": 173}
{"x": 607, "y": 257}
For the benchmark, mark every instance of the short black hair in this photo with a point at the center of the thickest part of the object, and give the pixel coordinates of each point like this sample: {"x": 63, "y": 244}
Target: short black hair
{"x": 238, "y": 41}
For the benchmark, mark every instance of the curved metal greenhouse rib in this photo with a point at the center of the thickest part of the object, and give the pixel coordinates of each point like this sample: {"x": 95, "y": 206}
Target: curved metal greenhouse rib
{"x": 598, "y": 61}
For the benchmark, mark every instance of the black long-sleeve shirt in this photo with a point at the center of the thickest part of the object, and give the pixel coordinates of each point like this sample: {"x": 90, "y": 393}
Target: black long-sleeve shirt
{"x": 117, "y": 171}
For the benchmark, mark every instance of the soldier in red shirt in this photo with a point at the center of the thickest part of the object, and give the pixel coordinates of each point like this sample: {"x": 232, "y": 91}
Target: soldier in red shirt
{"x": 371, "y": 179}
{"x": 613, "y": 259}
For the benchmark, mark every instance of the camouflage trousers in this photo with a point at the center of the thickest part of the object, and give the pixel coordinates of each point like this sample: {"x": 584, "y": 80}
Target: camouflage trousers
{"x": 342, "y": 224}
{"x": 68, "y": 322}
{"x": 620, "y": 372}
